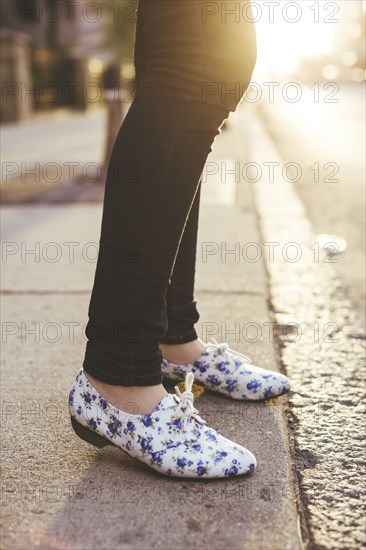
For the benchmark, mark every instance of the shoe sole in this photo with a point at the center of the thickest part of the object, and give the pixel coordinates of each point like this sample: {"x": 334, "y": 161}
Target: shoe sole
{"x": 89, "y": 436}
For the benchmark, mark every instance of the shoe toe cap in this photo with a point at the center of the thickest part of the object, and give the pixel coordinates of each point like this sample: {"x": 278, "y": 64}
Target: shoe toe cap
{"x": 248, "y": 461}
{"x": 281, "y": 384}
{"x": 204, "y": 459}
{"x": 266, "y": 384}
{"x": 239, "y": 461}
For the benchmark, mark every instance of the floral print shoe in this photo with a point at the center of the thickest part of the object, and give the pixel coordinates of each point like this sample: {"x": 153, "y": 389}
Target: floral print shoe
{"x": 231, "y": 373}
{"x": 173, "y": 439}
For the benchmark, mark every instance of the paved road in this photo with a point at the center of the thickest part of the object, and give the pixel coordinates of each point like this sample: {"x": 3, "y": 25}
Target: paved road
{"x": 309, "y": 132}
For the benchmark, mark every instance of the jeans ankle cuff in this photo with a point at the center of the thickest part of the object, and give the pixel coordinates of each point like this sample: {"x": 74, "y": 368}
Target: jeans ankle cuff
{"x": 174, "y": 339}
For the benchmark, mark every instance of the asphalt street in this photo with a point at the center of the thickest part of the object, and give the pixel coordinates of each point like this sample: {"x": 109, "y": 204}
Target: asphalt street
{"x": 321, "y": 345}
{"x": 324, "y": 133}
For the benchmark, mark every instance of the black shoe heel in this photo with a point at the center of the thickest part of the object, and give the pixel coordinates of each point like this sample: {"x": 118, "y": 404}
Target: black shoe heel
{"x": 89, "y": 436}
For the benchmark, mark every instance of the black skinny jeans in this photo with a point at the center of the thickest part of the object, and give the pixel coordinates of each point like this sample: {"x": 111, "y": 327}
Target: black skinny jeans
{"x": 193, "y": 65}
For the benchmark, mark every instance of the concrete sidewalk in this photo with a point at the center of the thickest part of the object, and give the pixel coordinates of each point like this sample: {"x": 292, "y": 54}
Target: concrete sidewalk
{"x": 50, "y": 152}
{"x": 60, "y": 493}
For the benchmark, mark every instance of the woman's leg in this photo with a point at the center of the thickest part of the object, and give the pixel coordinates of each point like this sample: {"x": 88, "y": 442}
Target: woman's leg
{"x": 180, "y": 343}
{"x": 152, "y": 179}
{"x": 181, "y": 309}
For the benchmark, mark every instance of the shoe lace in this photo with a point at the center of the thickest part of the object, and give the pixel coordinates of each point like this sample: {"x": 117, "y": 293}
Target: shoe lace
{"x": 224, "y": 349}
{"x": 185, "y": 402}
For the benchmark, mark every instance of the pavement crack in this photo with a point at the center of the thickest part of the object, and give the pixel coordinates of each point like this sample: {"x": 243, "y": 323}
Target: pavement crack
{"x": 34, "y": 292}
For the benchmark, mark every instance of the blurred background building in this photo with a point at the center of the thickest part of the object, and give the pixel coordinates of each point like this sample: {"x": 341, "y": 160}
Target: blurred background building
{"x": 57, "y": 53}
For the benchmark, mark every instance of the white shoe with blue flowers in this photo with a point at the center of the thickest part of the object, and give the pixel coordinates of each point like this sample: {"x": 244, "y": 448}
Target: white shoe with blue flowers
{"x": 231, "y": 373}
{"x": 173, "y": 439}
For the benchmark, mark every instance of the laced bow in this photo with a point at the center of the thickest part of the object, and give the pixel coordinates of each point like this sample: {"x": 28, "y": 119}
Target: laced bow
{"x": 224, "y": 348}
{"x": 185, "y": 401}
